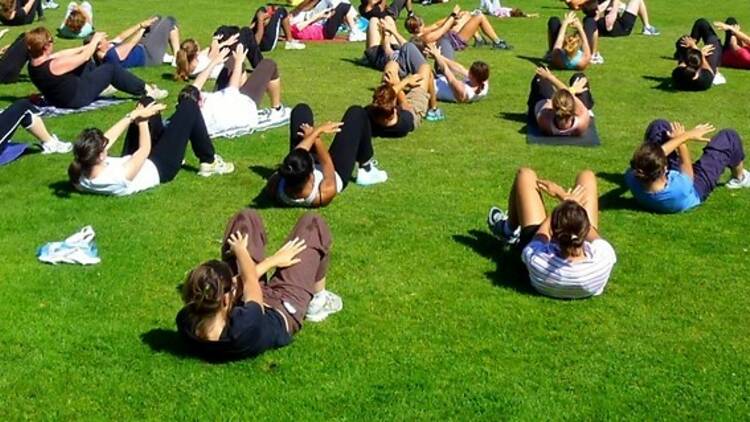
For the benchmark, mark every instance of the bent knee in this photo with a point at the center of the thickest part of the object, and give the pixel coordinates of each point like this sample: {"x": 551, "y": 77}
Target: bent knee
{"x": 526, "y": 173}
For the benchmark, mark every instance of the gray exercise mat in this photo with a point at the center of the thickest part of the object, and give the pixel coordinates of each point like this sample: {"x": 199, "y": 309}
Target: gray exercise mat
{"x": 589, "y": 139}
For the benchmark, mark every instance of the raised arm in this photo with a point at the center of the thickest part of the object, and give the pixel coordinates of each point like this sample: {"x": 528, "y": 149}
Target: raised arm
{"x": 457, "y": 87}
{"x": 28, "y": 6}
{"x": 389, "y": 27}
{"x": 678, "y": 139}
{"x": 585, "y": 43}
{"x": 286, "y": 256}
{"x": 216, "y": 56}
{"x": 434, "y": 34}
{"x": 569, "y": 17}
{"x": 251, "y": 291}
{"x": 61, "y": 64}
{"x": 736, "y": 30}
{"x": 545, "y": 73}
{"x": 141, "y": 115}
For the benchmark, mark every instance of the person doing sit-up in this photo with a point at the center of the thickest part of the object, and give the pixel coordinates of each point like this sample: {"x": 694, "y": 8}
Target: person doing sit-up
{"x": 698, "y": 67}
{"x": 662, "y": 176}
{"x": 559, "y": 109}
{"x": 233, "y": 311}
{"x": 568, "y": 52}
{"x": 564, "y": 254}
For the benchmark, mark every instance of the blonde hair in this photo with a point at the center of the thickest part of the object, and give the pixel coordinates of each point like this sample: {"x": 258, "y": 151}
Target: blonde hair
{"x": 563, "y": 104}
{"x": 184, "y": 56}
{"x": 572, "y": 44}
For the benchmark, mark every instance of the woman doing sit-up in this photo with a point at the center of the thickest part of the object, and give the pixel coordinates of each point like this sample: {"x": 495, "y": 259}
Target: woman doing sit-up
{"x": 314, "y": 20}
{"x": 565, "y": 256}
{"x": 698, "y": 67}
{"x": 311, "y": 175}
{"x": 232, "y": 311}
{"x": 568, "y": 52}
{"x": 459, "y": 26}
{"x": 234, "y": 106}
{"x": 190, "y": 60}
{"x": 70, "y": 79}
{"x": 20, "y": 12}
{"x": 143, "y": 164}
{"x": 457, "y": 84}
{"x": 558, "y": 109}
{"x": 662, "y": 176}
{"x": 736, "y": 51}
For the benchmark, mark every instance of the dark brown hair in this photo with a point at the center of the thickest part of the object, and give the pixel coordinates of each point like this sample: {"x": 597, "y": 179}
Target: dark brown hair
{"x": 648, "y": 162}
{"x": 7, "y": 7}
{"x": 204, "y": 290}
{"x": 383, "y": 103}
{"x": 481, "y": 73}
{"x": 36, "y": 40}
{"x": 413, "y": 23}
{"x": 570, "y": 224}
{"x": 91, "y": 142}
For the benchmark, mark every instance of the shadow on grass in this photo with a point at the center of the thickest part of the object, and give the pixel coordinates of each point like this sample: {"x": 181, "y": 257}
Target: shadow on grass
{"x": 357, "y": 62}
{"x": 614, "y": 199}
{"x": 167, "y": 77}
{"x": 262, "y": 200}
{"x": 62, "y": 189}
{"x": 162, "y": 340}
{"x": 510, "y": 272}
{"x": 516, "y": 117}
{"x": 537, "y": 61}
{"x": 664, "y": 83}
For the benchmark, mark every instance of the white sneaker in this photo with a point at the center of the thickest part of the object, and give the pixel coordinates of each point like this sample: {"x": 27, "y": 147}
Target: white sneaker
{"x": 651, "y": 31}
{"x": 108, "y": 91}
{"x": 219, "y": 166}
{"x": 50, "y": 5}
{"x": 735, "y": 183}
{"x": 56, "y": 146}
{"x": 370, "y": 174}
{"x": 324, "y": 303}
{"x": 269, "y": 118}
{"x": 154, "y": 92}
{"x": 357, "y": 36}
{"x": 597, "y": 58}
{"x": 719, "y": 79}
{"x": 294, "y": 45}
{"x": 497, "y": 222}
{"x": 168, "y": 58}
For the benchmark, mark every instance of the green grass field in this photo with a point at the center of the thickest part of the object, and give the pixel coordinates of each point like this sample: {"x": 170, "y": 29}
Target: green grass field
{"x": 435, "y": 325}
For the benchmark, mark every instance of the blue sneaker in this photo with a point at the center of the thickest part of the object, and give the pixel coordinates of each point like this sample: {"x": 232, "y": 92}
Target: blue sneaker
{"x": 435, "y": 115}
{"x": 497, "y": 222}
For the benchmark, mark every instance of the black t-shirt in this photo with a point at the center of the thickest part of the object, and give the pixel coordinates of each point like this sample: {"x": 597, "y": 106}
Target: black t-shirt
{"x": 682, "y": 79}
{"x": 403, "y": 126}
{"x": 250, "y": 332}
{"x": 20, "y": 18}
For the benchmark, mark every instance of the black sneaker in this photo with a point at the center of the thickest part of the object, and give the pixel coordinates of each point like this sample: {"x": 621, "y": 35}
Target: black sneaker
{"x": 501, "y": 45}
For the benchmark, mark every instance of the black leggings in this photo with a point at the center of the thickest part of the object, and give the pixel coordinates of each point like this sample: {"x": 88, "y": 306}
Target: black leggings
{"x": 170, "y": 142}
{"x": 542, "y": 89}
{"x": 554, "y": 25}
{"x": 22, "y": 113}
{"x": 332, "y": 24}
{"x": 13, "y": 61}
{"x": 22, "y": 18}
{"x": 353, "y": 145}
{"x": 93, "y": 79}
{"x": 247, "y": 39}
{"x": 702, "y": 31}
{"x": 271, "y": 32}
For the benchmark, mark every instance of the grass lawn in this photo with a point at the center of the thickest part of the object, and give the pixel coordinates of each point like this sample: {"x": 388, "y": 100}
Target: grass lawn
{"x": 435, "y": 324}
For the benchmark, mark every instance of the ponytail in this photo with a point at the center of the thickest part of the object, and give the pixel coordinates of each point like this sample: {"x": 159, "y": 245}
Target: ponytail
{"x": 86, "y": 151}
{"x": 570, "y": 226}
{"x": 480, "y": 71}
{"x": 183, "y": 57}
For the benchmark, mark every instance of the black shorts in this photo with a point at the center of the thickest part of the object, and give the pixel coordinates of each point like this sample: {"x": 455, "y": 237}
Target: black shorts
{"x": 527, "y": 235}
{"x": 623, "y": 26}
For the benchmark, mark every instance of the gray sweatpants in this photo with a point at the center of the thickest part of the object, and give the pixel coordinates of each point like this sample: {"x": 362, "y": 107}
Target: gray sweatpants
{"x": 155, "y": 42}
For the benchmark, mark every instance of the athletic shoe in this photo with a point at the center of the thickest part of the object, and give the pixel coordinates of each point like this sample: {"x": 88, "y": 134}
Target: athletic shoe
{"x": 356, "y": 36}
{"x": 167, "y": 59}
{"x": 219, "y": 166}
{"x": 370, "y": 174}
{"x": 324, "y": 303}
{"x": 50, "y": 5}
{"x": 426, "y": 2}
{"x": 108, "y": 91}
{"x": 154, "y": 92}
{"x": 651, "y": 30}
{"x": 719, "y": 79}
{"x": 278, "y": 117}
{"x": 597, "y": 58}
{"x": 497, "y": 222}
{"x": 501, "y": 45}
{"x": 744, "y": 182}
{"x": 435, "y": 115}
{"x": 55, "y": 146}
{"x": 480, "y": 42}
{"x": 294, "y": 45}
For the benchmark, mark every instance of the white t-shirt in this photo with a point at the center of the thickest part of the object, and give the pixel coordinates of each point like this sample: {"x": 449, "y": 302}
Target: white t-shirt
{"x": 203, "y": 62}
{"x": 112, "y": 180}
{"x": 554, "y": 276}
{"x": 228, "y": 110}
{"x": 445, "y": 93}
{"x": 310, "y": 200}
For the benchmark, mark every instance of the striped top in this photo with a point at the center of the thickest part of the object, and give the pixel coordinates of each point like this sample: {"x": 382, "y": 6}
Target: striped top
{"x": 554, "y": 276}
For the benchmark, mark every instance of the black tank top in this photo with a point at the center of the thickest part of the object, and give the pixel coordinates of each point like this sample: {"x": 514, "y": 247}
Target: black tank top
{"x": 57, "y": 90}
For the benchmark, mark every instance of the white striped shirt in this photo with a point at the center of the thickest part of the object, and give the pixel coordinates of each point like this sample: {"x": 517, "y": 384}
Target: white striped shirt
{"x": 554, "y": 276}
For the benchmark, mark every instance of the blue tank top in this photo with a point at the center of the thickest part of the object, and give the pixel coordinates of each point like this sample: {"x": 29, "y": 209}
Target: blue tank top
{"x": 572, "y": 63}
